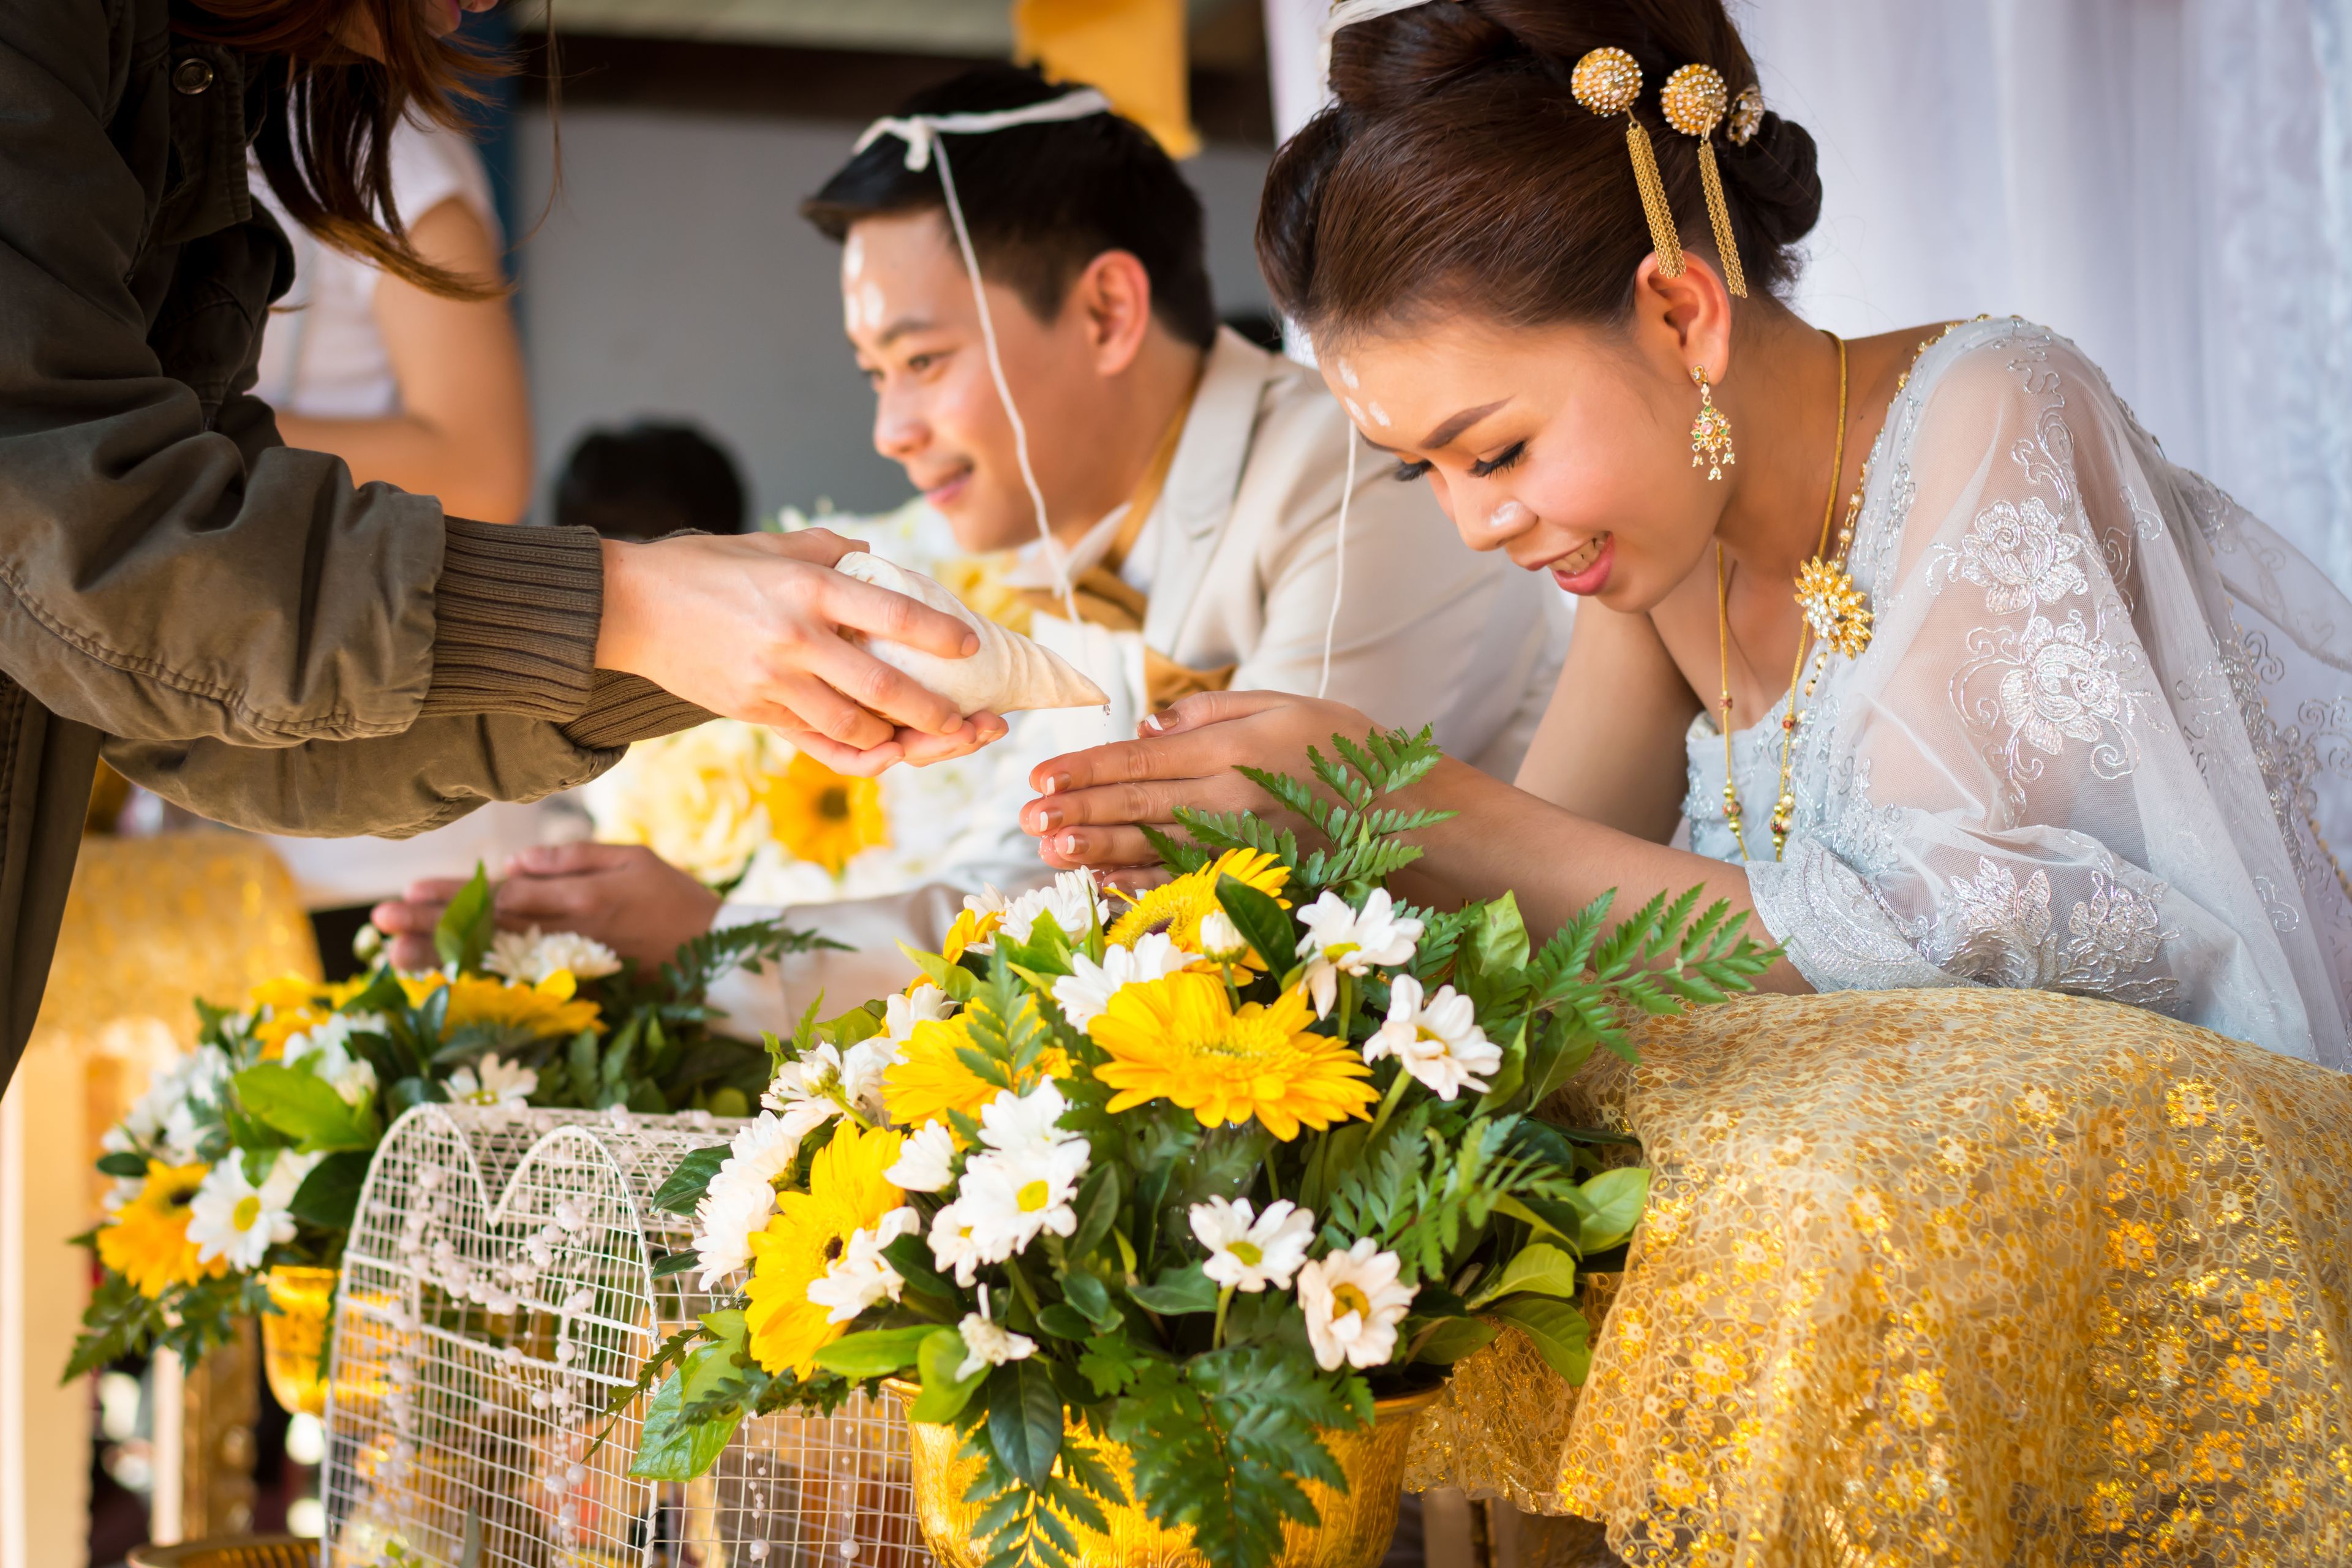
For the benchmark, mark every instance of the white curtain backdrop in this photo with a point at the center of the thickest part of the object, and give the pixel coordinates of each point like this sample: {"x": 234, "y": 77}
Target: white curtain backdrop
{"x": 2166, "y": 182}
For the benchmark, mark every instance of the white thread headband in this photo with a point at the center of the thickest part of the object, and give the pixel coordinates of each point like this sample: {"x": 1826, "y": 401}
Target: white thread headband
{"x": 922, "y": 134}
{"x": 1347, "y": 13}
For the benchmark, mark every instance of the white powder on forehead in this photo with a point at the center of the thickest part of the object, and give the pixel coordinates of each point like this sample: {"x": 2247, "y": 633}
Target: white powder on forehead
{"x": 853, "y": 318}
{"x": 1355, "y": 409}
{"x": 1380, "y": 416}
{"x": 870, "y": 301}
{"x": 852, "y": 256}
{"x": 1348, "y": 375}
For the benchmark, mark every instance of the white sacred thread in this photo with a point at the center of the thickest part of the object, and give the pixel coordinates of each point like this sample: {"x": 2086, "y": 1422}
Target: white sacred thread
{"x": 923, "y": 135}
{"x": 1347, "y": 13}
{"x": 1339, "y": 568}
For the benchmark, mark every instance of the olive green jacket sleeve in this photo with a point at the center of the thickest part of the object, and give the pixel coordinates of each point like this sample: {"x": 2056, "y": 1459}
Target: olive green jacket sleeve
{"x": 268, "y": 641}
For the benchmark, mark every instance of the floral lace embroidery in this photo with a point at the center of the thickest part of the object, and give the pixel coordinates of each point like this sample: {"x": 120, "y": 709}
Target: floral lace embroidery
{"x": 1999, "y": 932}
{"x": 2021, "y": 556}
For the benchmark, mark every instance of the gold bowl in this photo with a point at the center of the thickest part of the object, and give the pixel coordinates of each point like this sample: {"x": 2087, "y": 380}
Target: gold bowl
{"x": 1354, "y": 1532}
{"x": 231, "y": 1552}
{"x": 294, "y": 1337}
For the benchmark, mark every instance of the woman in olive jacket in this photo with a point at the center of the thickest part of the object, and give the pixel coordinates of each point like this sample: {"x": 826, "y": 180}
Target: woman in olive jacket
{"x": 229, "y": 620}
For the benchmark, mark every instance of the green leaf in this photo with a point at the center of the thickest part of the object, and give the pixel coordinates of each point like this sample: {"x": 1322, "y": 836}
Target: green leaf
{"x": 1264, "y": 924}
{"x": 1178, "y": 1289}
{"x": 876, "y": 1352}
{"x": 1024, "y": 1419}
{"x": 1556, "y": 1328}
{"x": 122, "y": 1163}
{"x": 1098, "y": 1208}
{"x": 958, "y": 982}
{"x": 1064, "y": 1321}
{"x": 1542, "y": 1268}
{"x": 330, "y": 1193}
{"x": 944, "y": 1395}
{"x": 462, "y": 933}
{"x": 305, "y": 1108}
{"x": 670, "y": 1449}
{"x": 1611, "y": 1205}
{"x": 684, "y": 1187}
{"x": 1453, "y": 1339}
{"x": 1092, "y": 1296}
{"x": 685, "y": 1262}
{"x": 1109, "y": 1364}
{"x": 1500, "y": 941}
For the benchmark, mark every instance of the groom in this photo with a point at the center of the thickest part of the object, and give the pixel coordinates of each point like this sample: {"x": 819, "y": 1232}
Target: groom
{"x": 1191, "y": 479}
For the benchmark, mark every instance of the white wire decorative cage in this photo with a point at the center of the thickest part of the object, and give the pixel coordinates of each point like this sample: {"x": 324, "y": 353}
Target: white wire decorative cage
{"x": 497, "y": 1290}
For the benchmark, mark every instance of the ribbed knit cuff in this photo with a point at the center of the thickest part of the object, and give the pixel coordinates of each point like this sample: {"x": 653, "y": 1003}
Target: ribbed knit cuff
{"x": 626, "y": 708}
{"x": 516, "y": 619}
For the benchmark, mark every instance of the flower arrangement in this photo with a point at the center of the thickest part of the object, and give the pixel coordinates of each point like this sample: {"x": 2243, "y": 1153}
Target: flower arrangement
{"x": 1202, "y": 1176}
{"x": 248, "y": 1153}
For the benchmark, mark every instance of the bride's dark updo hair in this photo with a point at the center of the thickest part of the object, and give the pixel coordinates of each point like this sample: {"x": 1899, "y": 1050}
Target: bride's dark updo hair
{"x": 1456, "y": 168}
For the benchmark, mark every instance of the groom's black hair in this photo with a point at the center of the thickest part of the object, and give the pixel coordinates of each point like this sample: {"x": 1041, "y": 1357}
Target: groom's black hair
{"x": 1041, "y": 201}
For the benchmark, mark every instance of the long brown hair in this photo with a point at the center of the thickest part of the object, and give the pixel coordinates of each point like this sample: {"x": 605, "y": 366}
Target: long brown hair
{"x": 325, "y": 138}
{"x": 1455, "y": 168}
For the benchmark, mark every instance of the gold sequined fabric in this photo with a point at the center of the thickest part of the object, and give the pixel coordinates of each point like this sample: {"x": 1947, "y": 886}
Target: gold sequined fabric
{"x": 1953, "y": 1277}
{"x": 153, "y": 923}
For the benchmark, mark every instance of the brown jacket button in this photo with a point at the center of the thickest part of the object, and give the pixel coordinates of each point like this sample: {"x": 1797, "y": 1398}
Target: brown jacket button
{"x": 192, "y": 75}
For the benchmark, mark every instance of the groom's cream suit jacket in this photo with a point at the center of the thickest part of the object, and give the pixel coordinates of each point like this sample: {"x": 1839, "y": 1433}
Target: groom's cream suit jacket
{"x": 1239, "y": 559}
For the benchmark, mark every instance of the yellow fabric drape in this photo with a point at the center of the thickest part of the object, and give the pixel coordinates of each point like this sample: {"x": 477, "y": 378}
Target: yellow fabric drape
{"x": 1952, "y": 1276}
{"x": 1132, "y": 50}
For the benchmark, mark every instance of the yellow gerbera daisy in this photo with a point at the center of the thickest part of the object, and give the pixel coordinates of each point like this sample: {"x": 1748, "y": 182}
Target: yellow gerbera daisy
{"x": 293, "y": 1003}
{"x": 546, "y": 1009}
{"x": 848, "y": 1193}
{"x": 928, "y": 1079}
{"x": 822, "y": 816}
{"x": 147, "y": 1241}
{"x": 968, "y": 929}
{"x": 1178, "y": 906}
{"x": 1179, "y": 1038}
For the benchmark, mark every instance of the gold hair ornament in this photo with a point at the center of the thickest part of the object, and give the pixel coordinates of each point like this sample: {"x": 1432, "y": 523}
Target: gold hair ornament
{"x": 1746, "y": 117}
{"x": 1607, "y": 82}
{"x": 1695, "y": 101}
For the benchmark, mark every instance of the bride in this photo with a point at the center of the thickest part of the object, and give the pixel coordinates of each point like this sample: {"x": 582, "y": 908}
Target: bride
{"x": 1970, "y": 698}
{"x": 2084, "y": 723}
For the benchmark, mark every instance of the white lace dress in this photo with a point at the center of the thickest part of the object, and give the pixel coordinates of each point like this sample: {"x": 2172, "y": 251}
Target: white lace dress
{"x": 2100, "y": 743}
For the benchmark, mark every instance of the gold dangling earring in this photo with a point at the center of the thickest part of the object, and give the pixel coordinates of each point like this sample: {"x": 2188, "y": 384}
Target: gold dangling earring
{"x": 1711, "y": 431}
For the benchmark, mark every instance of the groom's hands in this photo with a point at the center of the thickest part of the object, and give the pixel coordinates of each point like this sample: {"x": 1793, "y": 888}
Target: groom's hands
{"x": 750, "y": 625}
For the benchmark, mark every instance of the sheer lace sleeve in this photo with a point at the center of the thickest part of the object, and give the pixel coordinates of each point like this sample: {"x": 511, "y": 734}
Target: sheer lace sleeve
{"x": 2038, "y": 774}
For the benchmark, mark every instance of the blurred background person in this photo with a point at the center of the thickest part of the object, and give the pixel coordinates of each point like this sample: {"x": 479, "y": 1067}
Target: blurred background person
{"x": 650, "y": 479}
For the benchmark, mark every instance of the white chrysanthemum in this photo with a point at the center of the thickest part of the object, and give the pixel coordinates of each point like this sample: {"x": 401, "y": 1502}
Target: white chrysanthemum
{"x": 861, "y": 1276}
{"x": 1438, "y": 1041}
{"x": 827, "y": 1080}
{"x": 926, "y": 1160}
{"x": 741, "y": 1196}
{"x": 956, "y": 1243}
{"x": 1353, "y": 1305}
{"x": 1088, "y": 989}
{"x": 735, "y": 1207}
{"x": 926, "y": 1002}
{"x": 530, "y": 957}
{"x": 987, "y": 1343}
{"x": 1341, "y": 939}
{"x": 698, "y": 798}
{"x": 497, "y": 1082}
{"x": 230, "y": 1218}
{"x": 1030, "y": 1121}
{"x": 180, "y": 1104}
{"x": 1071, "y": 898}
{"x": 1246, "y": 1254}
{"x": 1010, "y": 1196}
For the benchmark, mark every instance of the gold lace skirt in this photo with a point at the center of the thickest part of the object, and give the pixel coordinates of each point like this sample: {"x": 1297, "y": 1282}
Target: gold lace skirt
{"x": 1952, "y": 1276}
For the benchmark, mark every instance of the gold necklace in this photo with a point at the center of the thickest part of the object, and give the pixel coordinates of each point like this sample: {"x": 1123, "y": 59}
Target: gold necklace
{"x": 1783, "y": 803}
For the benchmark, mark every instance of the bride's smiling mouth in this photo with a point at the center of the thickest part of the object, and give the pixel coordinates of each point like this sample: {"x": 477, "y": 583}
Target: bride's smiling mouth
{"x": 1584, "y": 570}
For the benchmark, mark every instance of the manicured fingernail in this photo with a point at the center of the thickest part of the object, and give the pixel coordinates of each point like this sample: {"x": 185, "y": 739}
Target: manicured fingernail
{"x": 1057, "y": 782}
{"x": 1049, "y": 820}
{"x": 1069, "y": 843}
{"x": 1153, "y": 721}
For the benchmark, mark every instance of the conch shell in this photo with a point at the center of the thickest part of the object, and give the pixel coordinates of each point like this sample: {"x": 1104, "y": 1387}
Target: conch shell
{"x": 1008, "y": 673}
